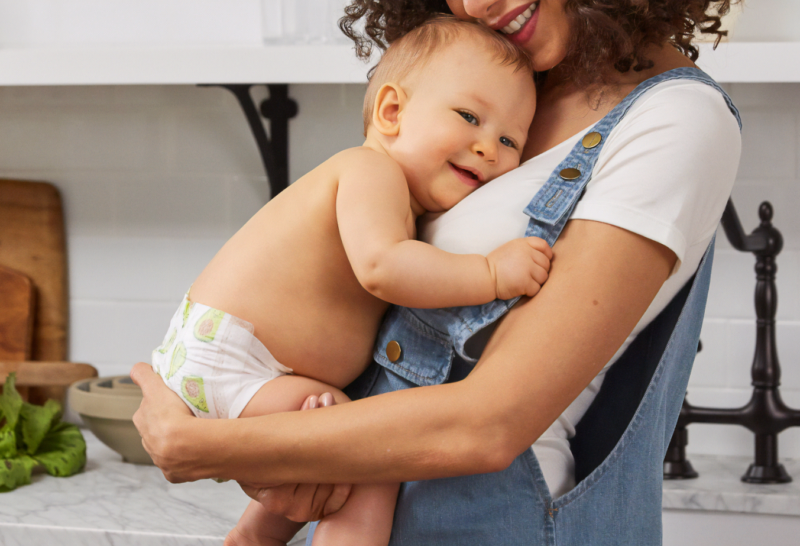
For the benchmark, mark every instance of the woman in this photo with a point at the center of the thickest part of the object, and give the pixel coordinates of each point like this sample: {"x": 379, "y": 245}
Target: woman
{"x": 655, "y": 193}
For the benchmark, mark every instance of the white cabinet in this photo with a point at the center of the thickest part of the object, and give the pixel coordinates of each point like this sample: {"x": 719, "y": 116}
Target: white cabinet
{"x": 108, "y": 23}
{"x": 118, "y": 42}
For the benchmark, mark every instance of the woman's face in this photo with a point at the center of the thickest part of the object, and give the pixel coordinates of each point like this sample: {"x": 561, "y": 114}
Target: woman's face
{"x": 541, "y": 28}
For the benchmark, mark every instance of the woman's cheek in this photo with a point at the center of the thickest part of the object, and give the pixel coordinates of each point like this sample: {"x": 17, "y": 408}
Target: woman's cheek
{"x": 457, "y": 7}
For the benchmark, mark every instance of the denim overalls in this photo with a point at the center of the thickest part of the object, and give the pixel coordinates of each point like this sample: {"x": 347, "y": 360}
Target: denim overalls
{"x": 620, "y": 442}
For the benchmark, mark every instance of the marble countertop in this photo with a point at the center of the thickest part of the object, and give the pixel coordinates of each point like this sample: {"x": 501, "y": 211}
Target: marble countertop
{"x": 113, "y": 503}
{"x": 119, "y": 504}
{"x": 719, "y": 488}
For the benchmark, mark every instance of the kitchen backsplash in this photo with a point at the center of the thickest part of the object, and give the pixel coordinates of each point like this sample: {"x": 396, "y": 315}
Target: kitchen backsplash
{"x": 156, "y": 178}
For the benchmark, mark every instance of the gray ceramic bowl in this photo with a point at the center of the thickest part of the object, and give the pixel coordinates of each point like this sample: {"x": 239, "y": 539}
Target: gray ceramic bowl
{"x": 107, "y": 405}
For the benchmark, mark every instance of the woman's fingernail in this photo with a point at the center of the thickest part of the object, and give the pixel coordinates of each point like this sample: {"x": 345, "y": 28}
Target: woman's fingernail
{"x": 312, "y": 402}
{"x": 326, "y": 400}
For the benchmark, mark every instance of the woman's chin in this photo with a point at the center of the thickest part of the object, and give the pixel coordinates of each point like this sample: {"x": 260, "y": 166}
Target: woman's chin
{"x": 544, "y": 59}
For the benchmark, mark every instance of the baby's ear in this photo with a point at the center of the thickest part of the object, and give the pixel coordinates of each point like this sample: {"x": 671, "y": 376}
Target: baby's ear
{"x": 389, "y": 104}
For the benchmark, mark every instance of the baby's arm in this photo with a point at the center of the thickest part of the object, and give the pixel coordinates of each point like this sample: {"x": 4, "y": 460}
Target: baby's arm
{"x": 372, "y": 210}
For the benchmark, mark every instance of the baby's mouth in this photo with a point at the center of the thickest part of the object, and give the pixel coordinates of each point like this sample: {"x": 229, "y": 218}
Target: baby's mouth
{"x": 466, "y": 174}
{"x": 517, "y": 24}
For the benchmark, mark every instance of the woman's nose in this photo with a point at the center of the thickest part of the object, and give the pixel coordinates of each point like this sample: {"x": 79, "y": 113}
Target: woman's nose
{"x": 481, "y": 9}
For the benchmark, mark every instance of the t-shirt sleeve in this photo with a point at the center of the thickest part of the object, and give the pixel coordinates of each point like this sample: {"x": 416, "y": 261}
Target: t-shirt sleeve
{"x": 667, "y": 170}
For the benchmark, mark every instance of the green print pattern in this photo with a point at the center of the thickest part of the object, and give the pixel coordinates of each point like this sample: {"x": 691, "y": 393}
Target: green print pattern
{"x": 178, "y": 359}
{"x": 206, "y": 328}
{"x": 168, "y": 341}
{"x": 187, "y": 308}
{"x": 194, "y": 392}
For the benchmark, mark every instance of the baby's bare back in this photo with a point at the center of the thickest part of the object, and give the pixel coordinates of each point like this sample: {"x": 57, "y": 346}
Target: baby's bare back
{"x": 286, "y": 272}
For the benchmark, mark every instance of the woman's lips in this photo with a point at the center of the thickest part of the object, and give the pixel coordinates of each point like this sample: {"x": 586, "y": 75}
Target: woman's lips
{"x": 510, "y": 16}
{"x": 468, "y": 177}
{"x": 527, "y": 30}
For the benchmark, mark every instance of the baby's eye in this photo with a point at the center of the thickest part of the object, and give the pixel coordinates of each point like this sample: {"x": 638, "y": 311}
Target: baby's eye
{"x": 469, "y": 117}
{"x": 505, "y": 141}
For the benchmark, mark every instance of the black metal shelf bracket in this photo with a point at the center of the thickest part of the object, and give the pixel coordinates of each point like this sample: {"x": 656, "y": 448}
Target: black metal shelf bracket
{"x": 278, "y": 108}
{"x": 766, "y": 415}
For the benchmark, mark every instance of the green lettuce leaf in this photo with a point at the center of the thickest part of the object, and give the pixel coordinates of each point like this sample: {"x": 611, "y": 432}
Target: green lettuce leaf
{"x": 15, "y": 472}
{"x": 36, "y": 421}
{"x": 8, "y": 443}
{"x": 10, "y": 402}
{"x": 32, "y": 436}
{"x": 63, "y": 450}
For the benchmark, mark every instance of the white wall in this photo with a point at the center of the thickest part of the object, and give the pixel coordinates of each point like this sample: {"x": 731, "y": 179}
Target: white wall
{"x": 156, "y": 178}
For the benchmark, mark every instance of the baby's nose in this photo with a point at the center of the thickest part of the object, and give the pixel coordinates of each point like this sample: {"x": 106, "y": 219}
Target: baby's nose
{"x": 485, "y": 150}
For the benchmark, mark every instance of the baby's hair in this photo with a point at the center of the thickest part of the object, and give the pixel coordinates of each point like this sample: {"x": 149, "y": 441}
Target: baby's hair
{"x": 415, "y": 49}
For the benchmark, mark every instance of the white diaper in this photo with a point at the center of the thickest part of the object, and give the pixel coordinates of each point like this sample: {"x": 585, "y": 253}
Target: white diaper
{"x": 213, "y": 361}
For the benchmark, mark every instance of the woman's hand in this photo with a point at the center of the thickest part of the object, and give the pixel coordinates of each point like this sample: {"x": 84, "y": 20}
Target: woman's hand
{"x": 164, "y": 423}
{"x": 300, "y": 502}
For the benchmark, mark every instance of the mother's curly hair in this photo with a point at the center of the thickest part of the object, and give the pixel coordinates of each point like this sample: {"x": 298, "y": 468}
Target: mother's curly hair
{"x": 619, "y": 31}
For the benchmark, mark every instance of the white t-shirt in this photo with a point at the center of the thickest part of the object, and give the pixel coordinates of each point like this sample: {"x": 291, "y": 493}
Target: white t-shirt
{"x": 665, "y": 172}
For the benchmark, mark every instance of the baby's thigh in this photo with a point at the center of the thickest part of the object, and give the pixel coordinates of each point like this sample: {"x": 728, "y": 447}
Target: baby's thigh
{"x": 287, "y": 393}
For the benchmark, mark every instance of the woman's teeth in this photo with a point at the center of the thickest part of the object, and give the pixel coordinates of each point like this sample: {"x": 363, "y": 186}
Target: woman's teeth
{"x": 521, "y": 19}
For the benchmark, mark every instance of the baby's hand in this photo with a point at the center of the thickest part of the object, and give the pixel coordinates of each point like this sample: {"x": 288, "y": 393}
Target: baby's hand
{"x": 520, "y": 267}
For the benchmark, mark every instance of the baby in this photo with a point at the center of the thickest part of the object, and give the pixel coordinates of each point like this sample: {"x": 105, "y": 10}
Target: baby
{"x": 291, "y": 305}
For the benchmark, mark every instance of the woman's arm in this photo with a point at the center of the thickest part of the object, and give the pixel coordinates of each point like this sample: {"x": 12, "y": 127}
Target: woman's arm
{"x": 539, "y": 359}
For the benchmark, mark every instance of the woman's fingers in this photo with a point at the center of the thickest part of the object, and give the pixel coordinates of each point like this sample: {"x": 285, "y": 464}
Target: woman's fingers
{"x": 302, "y": 501}
{"x": 144, "y": 376}
{"x": 159, "y": 416}
{"x": 310, "y": 403}
{"x": 337, "y": 498}
{"x": 296, "y": 502}
{"x": 322, "y": 401}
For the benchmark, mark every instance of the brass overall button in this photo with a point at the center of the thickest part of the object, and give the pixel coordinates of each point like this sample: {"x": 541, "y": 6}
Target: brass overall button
{"x": 570, "y": 174}
{"x": 591, "y": 140}
{"x": 393, "y": 351}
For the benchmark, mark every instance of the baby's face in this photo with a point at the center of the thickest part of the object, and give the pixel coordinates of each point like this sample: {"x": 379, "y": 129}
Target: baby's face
{"x": 465, "y": 123}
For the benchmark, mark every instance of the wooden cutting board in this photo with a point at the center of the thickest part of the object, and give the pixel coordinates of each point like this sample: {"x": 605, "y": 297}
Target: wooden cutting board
{"x": 32, "y": 242}
{"x": 46, "y": 374}
{"x": 16, "y": 320}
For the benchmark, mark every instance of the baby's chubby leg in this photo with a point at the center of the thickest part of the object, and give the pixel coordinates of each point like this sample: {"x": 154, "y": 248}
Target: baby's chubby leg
{"x": 366, "y": 518}
{"x": 257, "y": 527}
{"x": 288, "y": 393}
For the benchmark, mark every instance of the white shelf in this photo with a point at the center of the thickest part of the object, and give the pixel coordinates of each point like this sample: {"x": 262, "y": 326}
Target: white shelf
{"x": 137, "y": 65}
{"x": 180, "y": 65}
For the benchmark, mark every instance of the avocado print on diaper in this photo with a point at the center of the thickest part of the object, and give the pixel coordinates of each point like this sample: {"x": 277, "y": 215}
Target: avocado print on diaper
{"x": 168, "y": 341}
{"x": 187, "y": 308}
{"x": 178, "y": 358}
{"x": 206, "y": 327}
{"x": 194, "y": 392}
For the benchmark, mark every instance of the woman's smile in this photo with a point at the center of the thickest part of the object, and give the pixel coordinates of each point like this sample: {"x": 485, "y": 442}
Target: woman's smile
{"x": 540, "y": 27}
{"x": 519, "y": 24}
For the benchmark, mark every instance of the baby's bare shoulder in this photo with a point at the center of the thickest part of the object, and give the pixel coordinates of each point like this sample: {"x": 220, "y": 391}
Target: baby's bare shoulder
{"x": 362, "y": 161}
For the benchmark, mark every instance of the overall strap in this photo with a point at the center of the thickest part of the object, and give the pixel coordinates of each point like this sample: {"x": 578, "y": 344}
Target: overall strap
{"x": 553, "y": 204}
{"x": 431, "y": 336}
